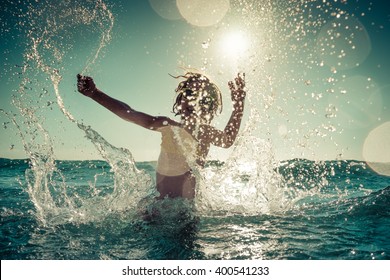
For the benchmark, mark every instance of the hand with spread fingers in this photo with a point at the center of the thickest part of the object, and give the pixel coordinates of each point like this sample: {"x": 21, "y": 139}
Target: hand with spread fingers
{"x": 237, "y": 88}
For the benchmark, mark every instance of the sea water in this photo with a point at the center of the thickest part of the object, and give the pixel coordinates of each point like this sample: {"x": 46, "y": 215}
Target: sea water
{"x": 346, "y": 218}
{"x": 250, "y": 206}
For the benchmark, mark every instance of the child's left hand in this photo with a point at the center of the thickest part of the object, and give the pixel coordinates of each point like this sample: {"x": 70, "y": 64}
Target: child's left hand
{"x": 238, "y": 89}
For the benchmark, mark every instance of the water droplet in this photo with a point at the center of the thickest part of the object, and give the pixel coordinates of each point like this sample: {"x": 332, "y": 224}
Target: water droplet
{"x": 331, "y": 111}
{"x": 5, "y": 125}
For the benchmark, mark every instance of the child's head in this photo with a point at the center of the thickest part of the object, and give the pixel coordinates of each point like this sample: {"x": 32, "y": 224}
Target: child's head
{"x": 202, "y": 96}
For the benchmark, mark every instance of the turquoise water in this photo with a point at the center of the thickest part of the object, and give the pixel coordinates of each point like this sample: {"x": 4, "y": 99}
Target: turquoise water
{"x": 345, "y": 218}
{"x": 249, "y": 207}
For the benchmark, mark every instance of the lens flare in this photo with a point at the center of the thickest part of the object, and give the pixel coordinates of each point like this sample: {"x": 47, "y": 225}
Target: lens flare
{"x": 166, "y": 9}
{"x": 376, "y": 149}
{"x": 203, "y": 12}
{"x": 343, "y": 43}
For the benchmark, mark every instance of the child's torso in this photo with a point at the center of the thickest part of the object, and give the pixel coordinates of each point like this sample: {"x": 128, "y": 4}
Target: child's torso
{"x": 178, "y": 151}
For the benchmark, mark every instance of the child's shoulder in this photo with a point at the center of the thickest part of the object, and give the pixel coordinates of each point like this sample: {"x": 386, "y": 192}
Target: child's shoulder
{"x": 163, "y": 123}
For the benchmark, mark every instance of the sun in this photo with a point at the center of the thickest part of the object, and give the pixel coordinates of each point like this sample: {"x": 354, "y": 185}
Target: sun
{"x": 235, "y": 43}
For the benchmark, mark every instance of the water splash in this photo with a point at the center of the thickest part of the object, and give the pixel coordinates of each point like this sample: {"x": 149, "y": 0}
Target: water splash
{"x": 245, "y": 184}
{"x": 52, "y": 32}
{"x": 285, "y": 69}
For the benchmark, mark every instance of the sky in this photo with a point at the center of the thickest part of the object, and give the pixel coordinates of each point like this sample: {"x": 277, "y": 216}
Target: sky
{"x": 316, "y": 72}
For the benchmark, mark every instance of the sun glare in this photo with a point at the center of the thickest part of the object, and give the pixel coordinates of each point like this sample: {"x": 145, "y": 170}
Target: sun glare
{"x": 235, "y": 43}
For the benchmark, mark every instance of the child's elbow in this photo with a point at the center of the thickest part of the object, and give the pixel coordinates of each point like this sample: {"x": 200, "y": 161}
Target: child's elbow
{"x": 227, "y": 143}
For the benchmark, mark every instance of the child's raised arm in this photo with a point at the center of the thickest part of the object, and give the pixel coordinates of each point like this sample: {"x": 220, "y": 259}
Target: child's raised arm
{"x": 227, "y": 137}
{"x": 87, "y": 87}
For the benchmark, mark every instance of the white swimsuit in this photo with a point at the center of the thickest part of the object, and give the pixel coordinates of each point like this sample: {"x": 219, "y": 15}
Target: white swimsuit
{"x": 178, "y": 151}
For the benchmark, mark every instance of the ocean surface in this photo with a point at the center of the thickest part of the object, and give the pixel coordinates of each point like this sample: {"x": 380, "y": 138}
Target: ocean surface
{"x": 82, "y": 210}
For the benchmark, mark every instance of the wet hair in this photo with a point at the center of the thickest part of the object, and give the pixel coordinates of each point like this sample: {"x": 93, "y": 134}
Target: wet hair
{"x": 199, "y": 87}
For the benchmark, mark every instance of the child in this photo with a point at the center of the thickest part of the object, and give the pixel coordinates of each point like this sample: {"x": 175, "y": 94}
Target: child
{"x": 185, "y": 144}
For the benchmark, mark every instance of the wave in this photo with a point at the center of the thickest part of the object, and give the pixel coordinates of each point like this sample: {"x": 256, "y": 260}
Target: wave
{"x": 373, "y": 204}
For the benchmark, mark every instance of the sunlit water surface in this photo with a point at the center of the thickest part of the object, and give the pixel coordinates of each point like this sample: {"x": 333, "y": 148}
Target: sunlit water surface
{"x": 348, "y": 218}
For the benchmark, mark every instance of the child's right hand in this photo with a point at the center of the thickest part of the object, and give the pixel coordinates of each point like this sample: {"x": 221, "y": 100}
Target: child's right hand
{"x": 86, "y": 85}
